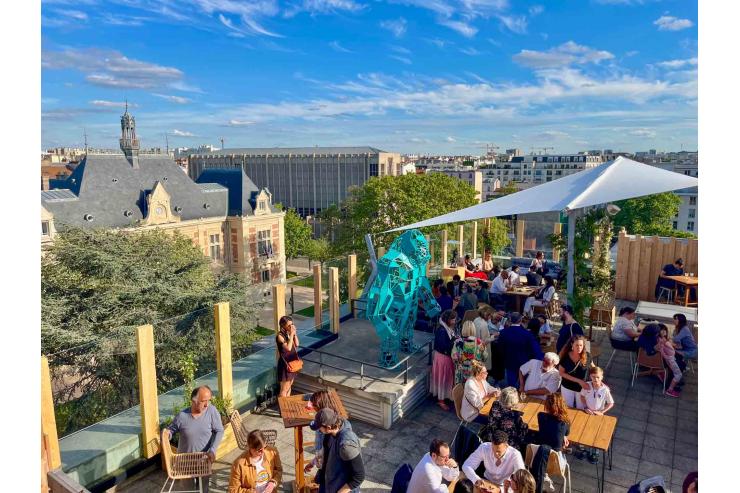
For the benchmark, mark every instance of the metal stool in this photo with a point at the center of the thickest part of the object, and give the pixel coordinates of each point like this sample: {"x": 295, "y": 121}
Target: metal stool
{"x": 668, "y": 292}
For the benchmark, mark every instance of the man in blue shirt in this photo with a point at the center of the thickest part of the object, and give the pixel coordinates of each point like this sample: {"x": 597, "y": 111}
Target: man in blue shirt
{"x": 675, "y": 269}
{"x": 518, "y": 346}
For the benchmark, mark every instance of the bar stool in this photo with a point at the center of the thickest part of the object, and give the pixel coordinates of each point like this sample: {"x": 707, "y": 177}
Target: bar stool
{"x": 668, "y": 292}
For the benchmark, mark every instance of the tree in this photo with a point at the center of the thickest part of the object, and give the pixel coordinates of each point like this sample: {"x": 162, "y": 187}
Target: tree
{"x": 331, "y": 218}
{"x": 387, "y": 202}
{"x": 97, "y": 286}
{"x": 497, "y": 239}
{"x": 318, "y": 250}
{"x": 507, "y": 189}
{"x": 297, "y": 233}
{"x": 649, "y": 215}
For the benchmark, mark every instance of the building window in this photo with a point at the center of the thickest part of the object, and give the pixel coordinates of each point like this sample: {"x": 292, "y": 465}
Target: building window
{"x": 690, "y": 226}
{"x": 265, "y": 276}
{"x": 675, "y": 224}
{"x": 234, "y": 253}
{"x": 45, "y": 228}
{"x": 692, "y": 213}
{"x": 215, "y": 244}
{"x": 692, "y": 200}
{"x": 264, "y": 243}
{"x": 262, "y": 205}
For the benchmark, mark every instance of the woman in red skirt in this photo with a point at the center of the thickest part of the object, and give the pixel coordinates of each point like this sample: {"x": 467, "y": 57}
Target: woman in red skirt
{"x": 443, "y": 369}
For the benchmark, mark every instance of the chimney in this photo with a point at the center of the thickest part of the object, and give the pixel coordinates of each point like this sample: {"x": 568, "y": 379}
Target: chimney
{"x": 44, "y": 182}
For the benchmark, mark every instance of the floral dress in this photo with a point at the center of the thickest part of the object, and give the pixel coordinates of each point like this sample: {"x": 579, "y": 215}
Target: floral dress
{"x": 509, "y": 421}
{"x": 464, "y": 353}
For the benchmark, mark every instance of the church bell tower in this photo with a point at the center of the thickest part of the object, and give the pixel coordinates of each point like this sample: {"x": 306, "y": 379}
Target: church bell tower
{"x": 128, "y": 141}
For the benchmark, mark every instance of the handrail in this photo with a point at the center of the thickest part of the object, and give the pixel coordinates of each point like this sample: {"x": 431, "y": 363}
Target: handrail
{"x": 361, "y": 373}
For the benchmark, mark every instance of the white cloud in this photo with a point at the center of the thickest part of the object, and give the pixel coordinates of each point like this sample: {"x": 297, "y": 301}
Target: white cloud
{"x": 568, "y": 53}
{"x": 172, "y": 98}
{"x": 643, "y": 132}
{"x": 401, "y": 59}
{"x": 461, "y": 27}
{"x": 675, "y": 64}
{"x": 110, "y": 68}
{"x": 552, "y": 134}
{"x": 470, "y": 51}
{"x": 670, "y": 23}
{"x": 514, "y": 23}
{"x": 314, "y": 7}
{"x": 334, "y": 45}
{"x": 101, "y": 103}
{"x": 450, "y": 139}
{"x": 536, "y": 10}
{"x": 182, "y": 133}
{"x": 240, "y": 123}
{"x": 396, "y": 26}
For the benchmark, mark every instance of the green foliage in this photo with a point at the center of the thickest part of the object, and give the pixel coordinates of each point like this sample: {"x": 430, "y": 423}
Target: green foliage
{"x": 507, "y": 189}
{"x": 497, "y": 239}
{"x": 650, "y": 215}
{"x": 387, "y": 202}
{"x": 591, "y": 282}
{"x": 97, "y": 286}
{"x": 224, "y": 404}
{"x": 187, "y": 367}
{"x": 297, "y": 233}
{"x": 318, "y": 250}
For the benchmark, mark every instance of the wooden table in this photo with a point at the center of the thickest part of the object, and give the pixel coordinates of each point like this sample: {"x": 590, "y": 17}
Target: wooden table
{"x": 461, "y": 476}
{"x": 519, "y": 293}
{"x": 664, "y": 313}
{"x": 688, "y": 283}
{"x": 585, "y": 429}
{"x": 295, "y": 415}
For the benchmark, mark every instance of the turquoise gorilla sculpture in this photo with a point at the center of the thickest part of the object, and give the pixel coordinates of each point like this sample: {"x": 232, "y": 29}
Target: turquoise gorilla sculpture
{"x": 395, "y": 293}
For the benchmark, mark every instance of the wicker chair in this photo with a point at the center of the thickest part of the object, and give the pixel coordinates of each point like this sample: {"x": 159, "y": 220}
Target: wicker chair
{"x": 240, "y": 433}
{"x": 189, "y": 465}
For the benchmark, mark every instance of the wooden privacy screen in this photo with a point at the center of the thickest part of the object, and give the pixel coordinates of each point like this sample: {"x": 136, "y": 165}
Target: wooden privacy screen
{"x": 641, "y": 259}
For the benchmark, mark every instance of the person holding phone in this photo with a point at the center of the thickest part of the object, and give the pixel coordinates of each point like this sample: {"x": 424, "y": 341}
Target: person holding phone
{"x": 287, "y": 345}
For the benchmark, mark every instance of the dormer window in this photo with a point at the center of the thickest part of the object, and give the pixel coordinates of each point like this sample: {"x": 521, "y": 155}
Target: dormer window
{"x": 262, "y": 205}
{"x": 45, "y": 229}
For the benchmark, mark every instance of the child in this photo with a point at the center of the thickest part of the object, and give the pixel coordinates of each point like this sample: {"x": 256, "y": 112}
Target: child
{"x": 545, "y": 329}
{"x": 666, "y": 349}
{"x": 595, "y": 398}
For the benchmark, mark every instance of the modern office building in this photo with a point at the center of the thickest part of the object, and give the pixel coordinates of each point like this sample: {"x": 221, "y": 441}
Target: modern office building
{"x": 534, "y": 169}
{"x": 308, "y": 179}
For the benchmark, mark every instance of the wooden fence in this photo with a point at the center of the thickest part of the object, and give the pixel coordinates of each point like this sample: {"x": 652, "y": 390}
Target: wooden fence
{"x": 640, "y": 260}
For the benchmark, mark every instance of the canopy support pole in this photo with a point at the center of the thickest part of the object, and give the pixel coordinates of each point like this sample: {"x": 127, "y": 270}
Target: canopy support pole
{"x": 572, "y": 217}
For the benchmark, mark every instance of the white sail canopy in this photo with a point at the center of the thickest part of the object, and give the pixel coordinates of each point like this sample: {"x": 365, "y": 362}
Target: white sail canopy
{"x": 619, "y": 179}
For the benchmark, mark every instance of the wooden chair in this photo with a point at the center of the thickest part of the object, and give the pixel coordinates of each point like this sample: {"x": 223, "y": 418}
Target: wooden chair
{"x": 240, "y": 433}
{"x": 458, "y": 392}
{"x": 188, "y": 465}
{"x": 654, "y": 364}
{"x": 554, "y": 466}
{"x": 548, "y": 310}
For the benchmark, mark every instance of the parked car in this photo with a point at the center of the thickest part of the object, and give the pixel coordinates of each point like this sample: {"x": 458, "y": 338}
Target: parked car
{"x": 552, "y": 268}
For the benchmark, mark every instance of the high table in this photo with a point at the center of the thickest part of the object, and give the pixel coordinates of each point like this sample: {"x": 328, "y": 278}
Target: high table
{"x": 688, "y": 283}
{"x": 585, "y": 429}
{"x": 519, "y": 293}
{"x": 296, "y": 415}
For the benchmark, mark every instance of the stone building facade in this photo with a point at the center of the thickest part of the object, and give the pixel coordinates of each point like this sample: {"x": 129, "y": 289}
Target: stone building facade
{"x": 233, "y": 222}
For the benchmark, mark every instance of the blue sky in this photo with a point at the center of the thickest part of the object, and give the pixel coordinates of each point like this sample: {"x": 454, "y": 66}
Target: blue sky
{"x": 430, "y": 76}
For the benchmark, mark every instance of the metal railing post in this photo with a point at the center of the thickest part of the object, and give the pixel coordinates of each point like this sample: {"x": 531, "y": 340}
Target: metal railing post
{"x": 362, "y": 375}
{"x": 406, "y": 373}
{"x": 321, "y": 365}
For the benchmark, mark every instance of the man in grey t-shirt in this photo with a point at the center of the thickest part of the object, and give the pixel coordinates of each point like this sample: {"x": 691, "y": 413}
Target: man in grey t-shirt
{"x": 199, "y": 427}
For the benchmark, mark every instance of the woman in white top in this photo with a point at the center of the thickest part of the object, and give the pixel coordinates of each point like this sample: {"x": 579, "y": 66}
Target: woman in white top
{"x": 543, "y": 298}
{"x": 539, "y": 262}
{"x": 477, "y": 392}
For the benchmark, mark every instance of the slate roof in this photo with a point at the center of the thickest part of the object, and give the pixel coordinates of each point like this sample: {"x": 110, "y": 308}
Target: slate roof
{"x": 259, "y": 151}
{"x": 242, "y": 191}
{"x": 106, "y": 186}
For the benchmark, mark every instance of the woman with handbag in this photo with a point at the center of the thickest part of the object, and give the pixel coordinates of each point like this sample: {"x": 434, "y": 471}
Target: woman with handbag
{"x": 289, "y": 364}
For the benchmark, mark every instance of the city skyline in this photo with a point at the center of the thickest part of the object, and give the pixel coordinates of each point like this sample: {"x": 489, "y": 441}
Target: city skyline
{"x": 406, "y": 76}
